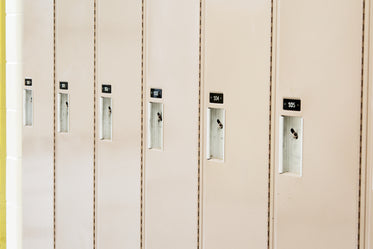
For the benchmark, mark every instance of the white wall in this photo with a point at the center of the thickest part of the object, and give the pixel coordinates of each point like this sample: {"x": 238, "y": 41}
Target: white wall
{"x": 14, "y": 31}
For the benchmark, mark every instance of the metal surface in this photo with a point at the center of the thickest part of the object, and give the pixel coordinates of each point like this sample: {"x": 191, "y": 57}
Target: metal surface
{"x": 367, "y": 218}
{"x": 74, "y": 150}
{"x": 2, "y": 128}
{"x": 237, "y": 63}
{"x": 171, "y": 174}
{"x": 155, "y": 125}
{"x": 37, "y": 173}
{"x": 318, "y": 60}
{"x": 118, "y": 159}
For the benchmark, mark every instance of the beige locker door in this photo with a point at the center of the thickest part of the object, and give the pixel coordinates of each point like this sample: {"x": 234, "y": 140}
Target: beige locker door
{"x": 74, "y": 146}
{"x": 118, "y": 157}
{"x": 171, "y": 169}
{"x": 318, "y": 61}
{"x": 236, "y": 64}
{"x": 369, "y": 184}
{"x": 368, "y": 229}
{"x": 37, "y": 178}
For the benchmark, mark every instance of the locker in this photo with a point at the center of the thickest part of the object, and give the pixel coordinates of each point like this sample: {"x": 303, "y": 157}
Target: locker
{"x": 367, "y": 206}
{"x": 171, "y": 121}
{"x": 37, "y": 170}
{"x": 367, "y": 217}
{"x": 235, "y": 114}
{"x": 318, "y": 65}
{"x": 75, "y": 117}
{"x": 118, "y": 123}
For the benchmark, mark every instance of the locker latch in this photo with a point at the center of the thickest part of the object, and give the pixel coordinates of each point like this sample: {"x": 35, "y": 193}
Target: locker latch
{"x": 219, "y": 124}
{"x": 295, "y": 134}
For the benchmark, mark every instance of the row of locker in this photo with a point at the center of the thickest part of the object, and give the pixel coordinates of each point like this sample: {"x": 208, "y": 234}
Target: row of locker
{"x": 163, "y": 132}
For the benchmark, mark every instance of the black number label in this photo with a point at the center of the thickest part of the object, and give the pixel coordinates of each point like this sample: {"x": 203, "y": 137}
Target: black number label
{"x": 156, "y": 93}
{"x": 216, "y": 98}
{"x": 28, "y": 82}
{"x": 106, "y": 88}
{"x": 64, "y": 85}
{"x": 292, "y": 105}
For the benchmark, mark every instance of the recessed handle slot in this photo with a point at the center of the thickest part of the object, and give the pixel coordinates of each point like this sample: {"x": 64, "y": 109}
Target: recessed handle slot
{"x": 106, "y": 118}
{"x": 291, "y": 143}
{"x": 155, "y": 126}
{"x": 63, "y": 115}
{"x": 215, "y": 133}
{"x": 28, "y": 108}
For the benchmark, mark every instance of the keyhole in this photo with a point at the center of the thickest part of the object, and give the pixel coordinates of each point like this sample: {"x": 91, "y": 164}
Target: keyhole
{"x": 109, "y": 109}
{"x": 295, "y": 134}
{"x": 159, "y": 117}
{"x": 219, "y": 124}
{"x": 67, "y": 104}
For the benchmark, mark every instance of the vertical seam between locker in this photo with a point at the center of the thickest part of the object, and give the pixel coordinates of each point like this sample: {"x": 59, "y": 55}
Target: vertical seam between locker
{"x": 94, "y": 120}
{"x": 361, "y": 123}
{"x": 270, "y": 132}
{"x": 54, "y": 124}
{"x": 142, "y": 130}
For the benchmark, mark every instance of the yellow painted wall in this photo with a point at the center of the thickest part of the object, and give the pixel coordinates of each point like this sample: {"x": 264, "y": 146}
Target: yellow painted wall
{"x": 2, "y": 128}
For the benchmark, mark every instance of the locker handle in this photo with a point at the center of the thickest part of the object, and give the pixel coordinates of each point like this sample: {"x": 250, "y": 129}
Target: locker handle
{"x": 159, "y": 117}
{"x": 294, "y": 133}
{"x": 219, "y": 124}
{"x": 109, "y": 109}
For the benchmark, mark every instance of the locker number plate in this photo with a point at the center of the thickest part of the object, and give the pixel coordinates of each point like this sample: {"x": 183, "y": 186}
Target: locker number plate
{"x": 216, "y": 98}
{"x": 156, "y": 93}
{"x": 292, "y": 105}
{"x": 28, "y": 82}
{"x": 106, "y": 88}
{"x": 64, "y": 85}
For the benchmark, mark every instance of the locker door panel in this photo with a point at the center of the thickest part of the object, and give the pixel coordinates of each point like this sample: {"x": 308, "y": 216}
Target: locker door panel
{"x": 237, "y": 65}
{"x": 74, "y": 146}
{"x": 37, "y": 178}
{"x": 368, "y": 217}
{"x": 171, "y": 165}
{"x": 119, "y": 157}
{"x": 319, "y": 62}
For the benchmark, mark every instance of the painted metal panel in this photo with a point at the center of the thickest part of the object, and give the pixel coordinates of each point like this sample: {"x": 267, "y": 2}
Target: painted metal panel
{"x": 367, "y": 206}
{"x": 119, "y": 158}
{"x": 74, "y": 149}
{"x": 2, "y": 127}
{"x": 37, "y": 169}
{"x": 368, "y": 215}
{"x": 318, "y": 60}
{"x": 237, "y": 64}
{"x": 171, "y": 173}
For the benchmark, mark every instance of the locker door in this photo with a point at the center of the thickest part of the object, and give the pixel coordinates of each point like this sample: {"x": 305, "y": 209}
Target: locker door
{"x": 171, "y": 123}
{"x": 369, "y": 182}
{"x": 367, "y": 218}
{"x": 236, "y": 83}
{"x": 317, "y": 177}
{"x": 37, "y": 170}
{"x": 74, "y": 117}
{"x": 118, "y": 123}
